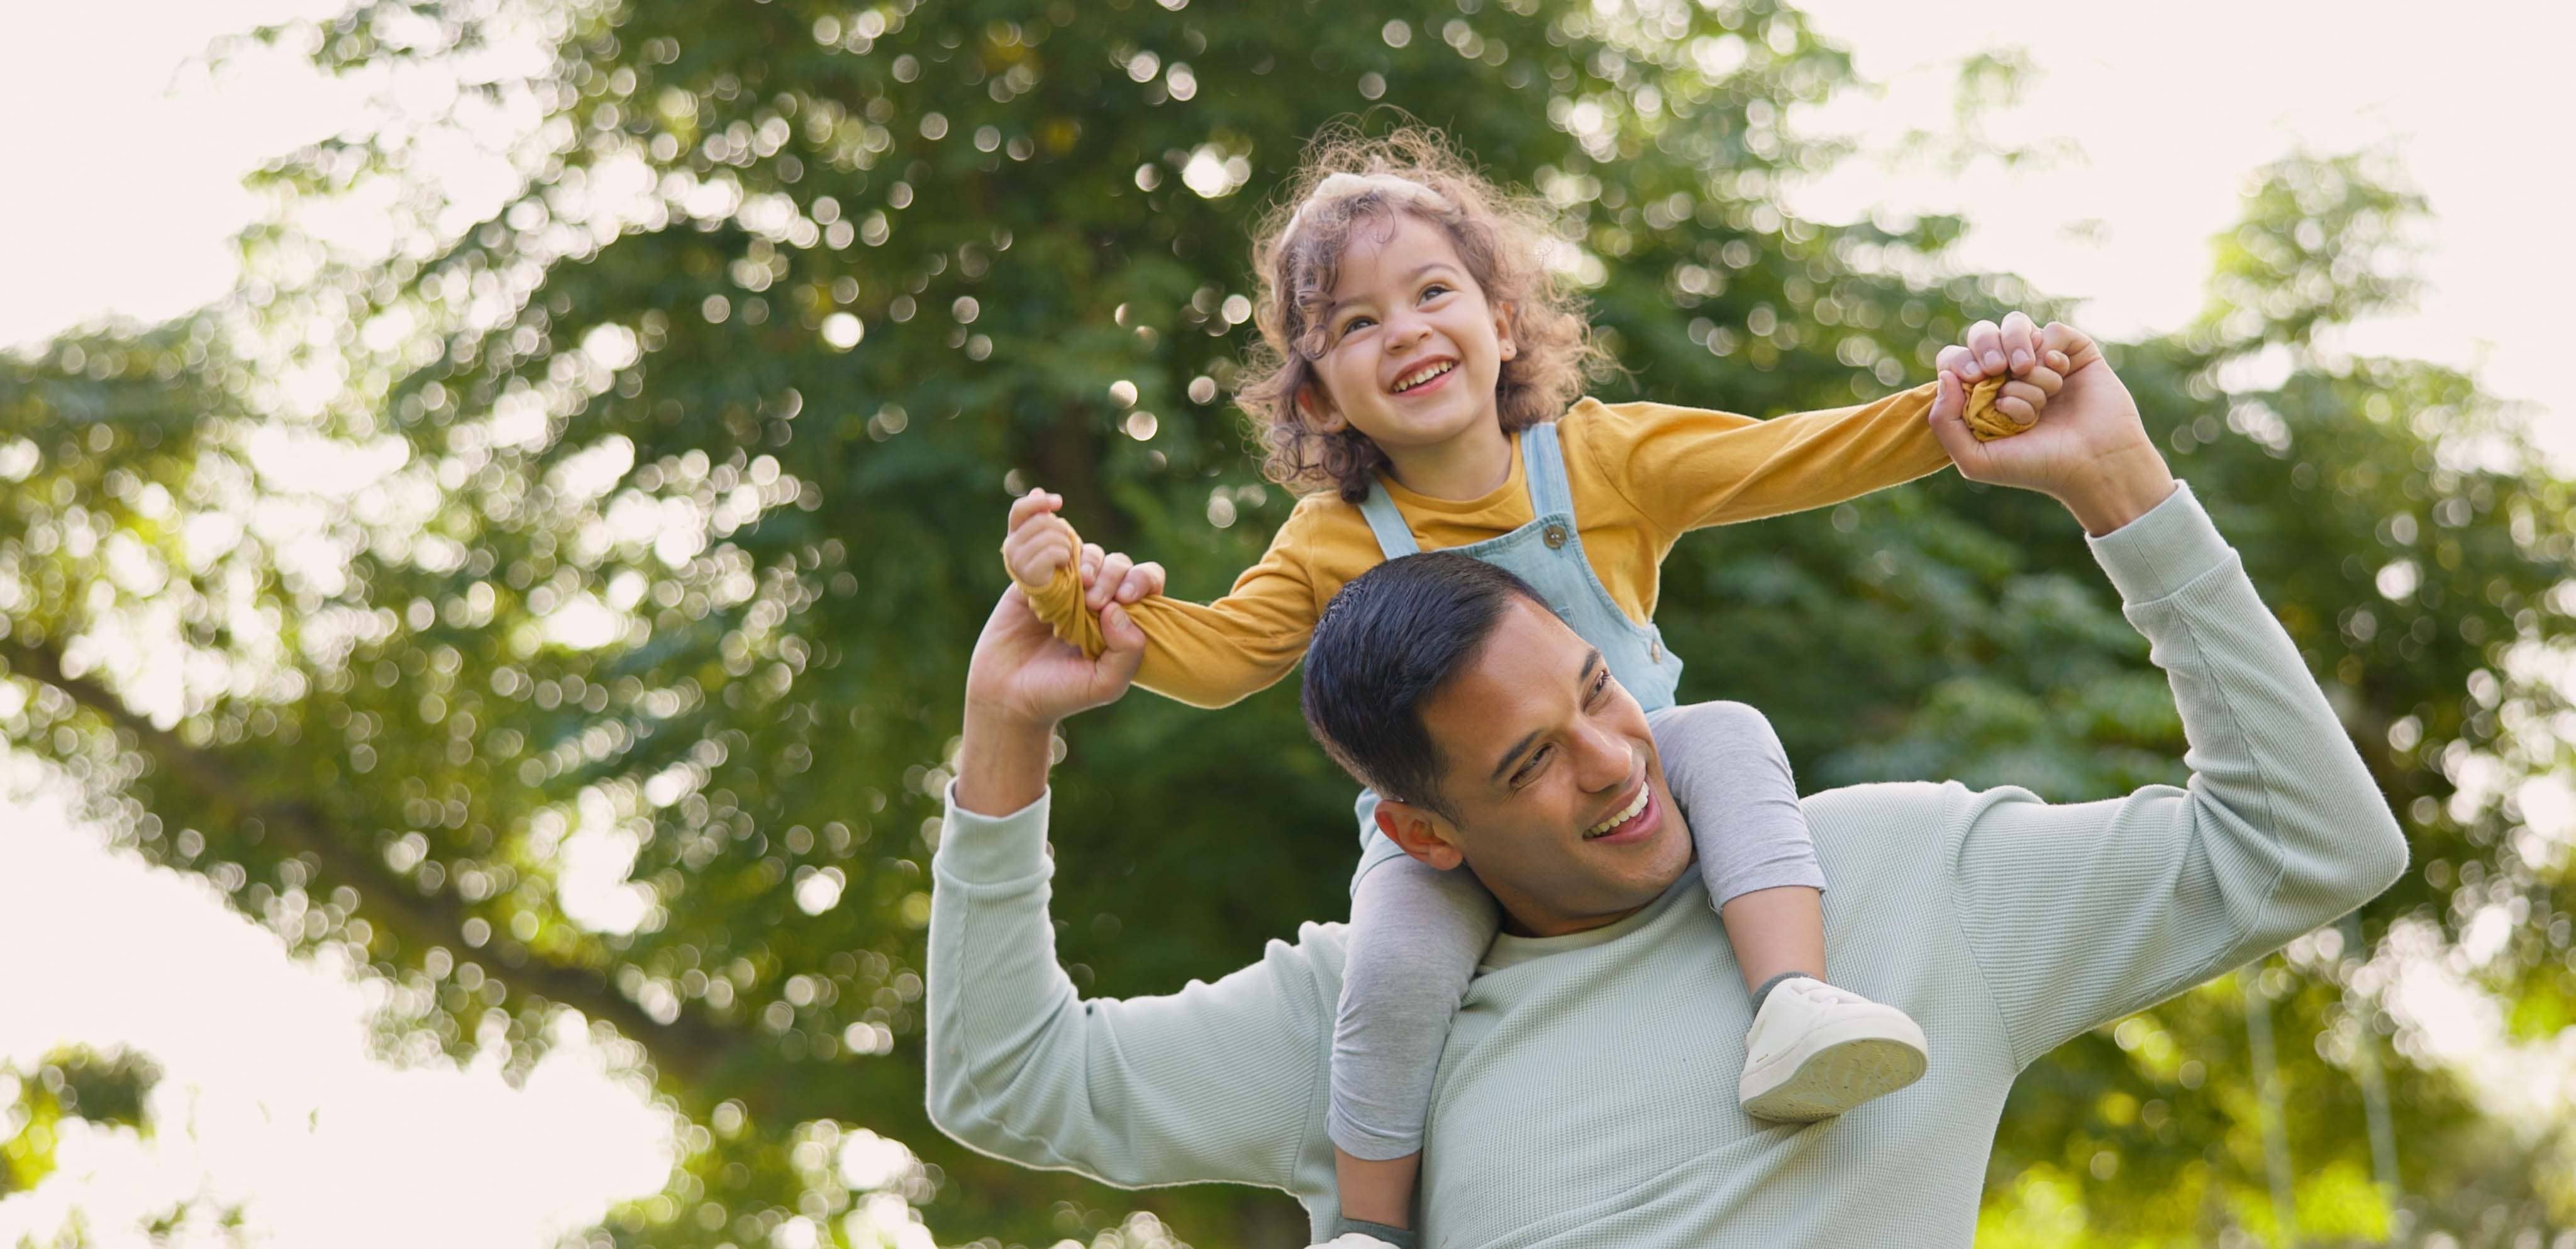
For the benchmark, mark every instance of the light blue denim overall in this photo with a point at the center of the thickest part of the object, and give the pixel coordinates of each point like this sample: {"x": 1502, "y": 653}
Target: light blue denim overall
{"x": 1548, "y": 554}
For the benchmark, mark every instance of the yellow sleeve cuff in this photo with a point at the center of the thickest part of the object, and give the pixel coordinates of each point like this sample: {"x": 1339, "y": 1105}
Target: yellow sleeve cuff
{"x": 1983, "y": 421}
{"x": 1059, "y": 603}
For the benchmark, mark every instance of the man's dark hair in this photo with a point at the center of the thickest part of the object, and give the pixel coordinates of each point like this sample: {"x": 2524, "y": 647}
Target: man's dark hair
{"x": 1391, "y": 639}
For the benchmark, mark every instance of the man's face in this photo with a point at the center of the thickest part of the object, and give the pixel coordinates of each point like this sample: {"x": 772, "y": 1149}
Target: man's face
{"x": 1558, "y": 797}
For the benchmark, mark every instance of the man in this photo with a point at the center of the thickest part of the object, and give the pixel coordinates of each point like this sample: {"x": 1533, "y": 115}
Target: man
{"x": 1584, "y": 1096}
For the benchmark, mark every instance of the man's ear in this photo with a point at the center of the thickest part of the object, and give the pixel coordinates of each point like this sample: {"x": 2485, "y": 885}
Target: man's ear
{"x": 1318, "y": 410}
{"x": 1420, "y": 832}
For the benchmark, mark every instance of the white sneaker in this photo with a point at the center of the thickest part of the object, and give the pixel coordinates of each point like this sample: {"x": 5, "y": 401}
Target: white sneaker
{"x": 1354, "y": 1240}
{"x": 1816, "y": 1051}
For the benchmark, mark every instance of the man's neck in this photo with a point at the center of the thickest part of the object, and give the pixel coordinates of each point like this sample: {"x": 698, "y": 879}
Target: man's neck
{"x": 1524, "y": 920}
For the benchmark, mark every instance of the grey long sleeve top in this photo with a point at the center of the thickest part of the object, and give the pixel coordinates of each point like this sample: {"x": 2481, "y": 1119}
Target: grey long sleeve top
{"x": 1586, "y": 1096}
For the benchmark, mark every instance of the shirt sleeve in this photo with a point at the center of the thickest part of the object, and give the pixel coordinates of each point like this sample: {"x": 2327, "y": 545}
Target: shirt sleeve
{"x": 1207, "y": 654}
{"x": 2080, "y": 914}
{"x": 1689, "y": 468}
{"x": 1218, "y": 1082}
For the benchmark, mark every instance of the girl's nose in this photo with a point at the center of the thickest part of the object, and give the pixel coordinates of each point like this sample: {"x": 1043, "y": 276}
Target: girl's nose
{"x": 1403, "y": 329}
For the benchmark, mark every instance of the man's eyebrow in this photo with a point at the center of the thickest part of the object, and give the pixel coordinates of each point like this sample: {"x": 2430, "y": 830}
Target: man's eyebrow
{"x": 1591, "y": 660}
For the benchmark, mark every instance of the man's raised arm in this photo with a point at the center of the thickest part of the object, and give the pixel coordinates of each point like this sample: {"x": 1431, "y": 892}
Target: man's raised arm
{"x": 1216, "y": 1082}
{"x": 2080, "y": 914}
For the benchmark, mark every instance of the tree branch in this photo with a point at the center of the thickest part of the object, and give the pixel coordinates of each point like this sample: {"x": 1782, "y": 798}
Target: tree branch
{"x": 688, "y": 1048}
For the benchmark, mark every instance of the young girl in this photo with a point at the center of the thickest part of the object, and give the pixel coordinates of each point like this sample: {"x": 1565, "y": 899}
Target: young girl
{"x": 1418, "y": 369}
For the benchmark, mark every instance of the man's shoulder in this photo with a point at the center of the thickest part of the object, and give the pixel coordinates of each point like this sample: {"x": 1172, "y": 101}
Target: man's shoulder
{"x": 1902, "y": 826}
{"x": 1874, "y": 801}
{"x": 1907, "y": 821}
{"x": 1309, "y": 967}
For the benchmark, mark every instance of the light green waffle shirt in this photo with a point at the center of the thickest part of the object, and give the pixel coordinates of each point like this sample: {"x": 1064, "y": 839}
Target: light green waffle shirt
{"x": 1586, "y": 1096}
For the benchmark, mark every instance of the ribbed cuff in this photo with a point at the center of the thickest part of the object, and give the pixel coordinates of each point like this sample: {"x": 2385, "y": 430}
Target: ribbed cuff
{"x": 1344, "y": 1225}
{"x": 2170, "y": 547}
{"x": 993, "y": 849}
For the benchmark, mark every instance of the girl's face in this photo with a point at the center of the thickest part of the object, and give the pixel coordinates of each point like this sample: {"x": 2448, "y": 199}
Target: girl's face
{"x": 1412, "y": 349}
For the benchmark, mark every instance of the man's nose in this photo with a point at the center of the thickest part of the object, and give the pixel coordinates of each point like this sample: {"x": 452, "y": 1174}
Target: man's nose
{"x": 1602, "y": 758}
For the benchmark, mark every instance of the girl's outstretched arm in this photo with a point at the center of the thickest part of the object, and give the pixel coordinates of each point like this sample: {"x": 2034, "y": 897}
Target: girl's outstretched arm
{"x": 1688, "y": 468}
{"x": 1203, "y": 654}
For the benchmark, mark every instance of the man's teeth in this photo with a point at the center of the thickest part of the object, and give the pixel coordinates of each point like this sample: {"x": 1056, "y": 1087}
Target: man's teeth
{"x": 1635, "y": 806}
{"x": 1419, "y": 376}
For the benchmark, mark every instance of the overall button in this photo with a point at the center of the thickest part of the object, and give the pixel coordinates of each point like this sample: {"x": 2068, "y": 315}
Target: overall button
{"x": 1655, "y": 650}
{"x": 1555, "y": 536}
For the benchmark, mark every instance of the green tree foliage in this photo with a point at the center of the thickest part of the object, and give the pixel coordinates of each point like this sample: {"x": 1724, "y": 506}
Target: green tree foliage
{"x": 96, "y": 1090}
{"x": 75, "y": 1083}
{"x": 666, "y": 492}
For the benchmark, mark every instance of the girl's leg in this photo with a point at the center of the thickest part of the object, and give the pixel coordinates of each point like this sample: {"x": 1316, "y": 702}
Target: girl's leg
{"x": 1416, "y": 935}
{"x": 1732, "y": 779}
{"x": 1814, "y": 1050}
{"x": 1777, "y": 932}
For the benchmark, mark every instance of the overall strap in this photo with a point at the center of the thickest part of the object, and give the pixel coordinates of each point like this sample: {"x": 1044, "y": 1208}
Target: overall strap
{"x": 1394, "y": 537}
{"x": 1542, "y": 459}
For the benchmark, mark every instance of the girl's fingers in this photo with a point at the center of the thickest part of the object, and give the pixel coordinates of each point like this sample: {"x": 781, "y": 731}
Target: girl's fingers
{"x": 2020, "y": 402}
{"x": 2019, "y": 341}
{"x": 1107, "y": 579}
{"x": 1031, "y": 504}
{"x": 1143, "y": 581}
{"x": 1985, "y": 351}
{"x": 1034, "y": 552}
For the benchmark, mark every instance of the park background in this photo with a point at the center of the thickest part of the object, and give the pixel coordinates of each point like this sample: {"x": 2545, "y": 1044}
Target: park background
{"x": 486, "y": 597}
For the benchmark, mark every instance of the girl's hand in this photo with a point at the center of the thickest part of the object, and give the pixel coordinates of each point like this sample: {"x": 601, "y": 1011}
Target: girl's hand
{"x": 2093, "y": 454}
{"x": 2035, "y": 367}
{"x": 1991, "y": 350}
{"x": 1112, "y": 577}
{"x": 1038, "y": 541}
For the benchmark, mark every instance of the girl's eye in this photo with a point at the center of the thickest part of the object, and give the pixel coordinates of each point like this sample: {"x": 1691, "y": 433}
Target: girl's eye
{"x": 1352, "y": 326}
{"x": 1435, "y": 288}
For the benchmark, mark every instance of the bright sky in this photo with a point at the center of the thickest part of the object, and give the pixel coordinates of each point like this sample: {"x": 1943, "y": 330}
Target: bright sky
{"x": 2171, "y": 103}
{"x": 2174, "y": 103}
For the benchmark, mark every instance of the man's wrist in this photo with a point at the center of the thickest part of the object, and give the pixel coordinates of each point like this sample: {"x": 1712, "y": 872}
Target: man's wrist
{"x": 2125, "y": 486}
{"x": 1002, "y": 760}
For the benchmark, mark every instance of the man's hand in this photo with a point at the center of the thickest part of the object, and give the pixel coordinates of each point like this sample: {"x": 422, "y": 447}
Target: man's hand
{"x": 2091, "y": 454}
{"x": 1022, "y": 682}
{"x": 2016, "y": 352}
{"x": 1022, "y": 675}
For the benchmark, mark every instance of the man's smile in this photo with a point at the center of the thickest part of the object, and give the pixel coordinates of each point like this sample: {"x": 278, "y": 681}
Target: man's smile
{"x": 1633, "y": 820}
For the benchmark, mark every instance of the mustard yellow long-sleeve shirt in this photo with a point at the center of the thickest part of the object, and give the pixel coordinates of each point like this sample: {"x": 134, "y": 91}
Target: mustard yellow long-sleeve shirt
{"x": 1642, "y": 474}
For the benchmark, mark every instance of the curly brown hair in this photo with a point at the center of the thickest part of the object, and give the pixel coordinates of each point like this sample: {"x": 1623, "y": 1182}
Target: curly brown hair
{"x": 1297, "y": 255}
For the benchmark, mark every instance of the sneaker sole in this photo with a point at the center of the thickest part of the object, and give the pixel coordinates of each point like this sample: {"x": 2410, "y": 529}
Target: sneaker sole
{"x": 1837, "y": 1076}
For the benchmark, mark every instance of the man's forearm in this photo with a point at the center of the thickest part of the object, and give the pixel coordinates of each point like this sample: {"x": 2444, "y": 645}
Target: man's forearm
{"x": 1002, "y": 762}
